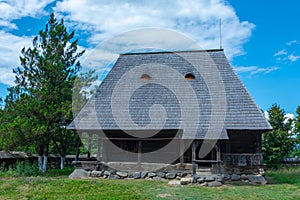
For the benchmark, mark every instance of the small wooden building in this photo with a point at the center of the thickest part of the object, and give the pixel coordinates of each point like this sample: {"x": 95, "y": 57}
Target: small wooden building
{"x": 185, "y": 108}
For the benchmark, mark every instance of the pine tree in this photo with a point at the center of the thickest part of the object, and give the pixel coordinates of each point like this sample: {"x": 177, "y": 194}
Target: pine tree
{"x": 277, "y": 143}
{"x": 40, "y": 105}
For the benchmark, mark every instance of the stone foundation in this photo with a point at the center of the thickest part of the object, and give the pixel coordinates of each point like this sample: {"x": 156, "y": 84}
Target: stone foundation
{"x": 175, "y": 174}
{"x": 174, "y": 177}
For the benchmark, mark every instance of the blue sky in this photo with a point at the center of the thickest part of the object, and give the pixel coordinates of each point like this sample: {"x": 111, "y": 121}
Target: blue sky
{"x": 261, "y": 39}
{"x": 274, "y": 43}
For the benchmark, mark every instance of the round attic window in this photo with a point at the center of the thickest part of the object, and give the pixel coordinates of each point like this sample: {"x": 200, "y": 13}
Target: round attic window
{"x": 145, "y": 77}
{"x": 189, "y": 76}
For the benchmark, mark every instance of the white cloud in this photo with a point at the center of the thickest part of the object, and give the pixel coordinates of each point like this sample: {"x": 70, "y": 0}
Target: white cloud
{"x": 292, "y": 42}
{"x": 197, "y": 19}
{"x": 289, "y": 116}
{"x": 10, "y": 47}
{"x": 293, "y": 58}
{"x": 7, "y": 24}
{"x": 6, "y": 76}
{"x": 267, "y": 116}
{"x": 15, "y": 9}
{"x": 253, "y": 70}
{"x": 281, "y": 52}
{"x": 288, "y": 54}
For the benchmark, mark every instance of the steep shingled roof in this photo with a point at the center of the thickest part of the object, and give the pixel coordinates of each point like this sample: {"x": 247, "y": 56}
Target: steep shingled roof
{"x": 209, "y": 101}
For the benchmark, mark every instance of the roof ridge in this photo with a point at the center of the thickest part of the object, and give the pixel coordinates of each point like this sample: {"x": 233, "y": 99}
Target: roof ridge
{"x": 165, "y": 52}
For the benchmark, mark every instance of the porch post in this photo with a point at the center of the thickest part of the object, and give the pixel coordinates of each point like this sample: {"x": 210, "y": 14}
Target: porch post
{"x": 78, "y": 142}
{"x": 99, "y": 156}
{"x": 139, "y": 152}
{"x": 89, "y": 145}
{"x": 181, "y": 143}
{"x": 218, "y": 156}
{"x": 194, "y": 146}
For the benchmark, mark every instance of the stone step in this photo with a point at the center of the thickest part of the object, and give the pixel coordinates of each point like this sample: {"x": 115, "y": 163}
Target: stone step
{"x": 204, "y": 171}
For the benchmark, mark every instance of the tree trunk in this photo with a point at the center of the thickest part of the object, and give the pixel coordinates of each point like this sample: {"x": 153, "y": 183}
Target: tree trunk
{"x": 62, "y": 162}
{"x": 40, "y": 157}
{"x": 40, "y": 163}
{"x": 45, "y": 162}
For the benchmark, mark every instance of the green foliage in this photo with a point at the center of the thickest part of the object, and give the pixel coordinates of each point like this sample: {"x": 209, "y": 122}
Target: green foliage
{"x": 25, "y": 168}
{"x": 21, "y": 168}
{"x": 277, "y": 143}
{"x": 296, "y": 152}
{"x": 82, "y": 90}
{"x": 297, "y": 122}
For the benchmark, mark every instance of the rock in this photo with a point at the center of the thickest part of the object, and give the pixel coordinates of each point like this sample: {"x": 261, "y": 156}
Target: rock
{"x": 185, "y": 181}
{"x": 93, "y": 174}
{"x": 136, "y": 175}
{"x": 149, "y": 179}
{"x": 244, "y": 177}
{"x": 204, "y": 184}
{"x": 174, "y": 182}
{"x": 161, "y": 174}
{"x": 170, "y": 175}
{"x": 200, "y": 179}
{"x": 257, "y": 179}
{"x": 157, "y": 178}
{"x": 112, "y": 176}
{"x": 209, "y": 178}
{"x": 196, "y": 176}
{"x": 144, "y": 174}
{"x": 235, "y": 177}
{"x": 218, "y": 178}
{"x": 214, "y": 184}
{"x": 226, "y": 176}
{"x": 122, "y": 174}
{"x": 181, "y": 174}
{"x": 79, "y": 173}
{"x": 107, "y": 173}
{"x": 96, "y": 173}
{"x": 151, "y": 174}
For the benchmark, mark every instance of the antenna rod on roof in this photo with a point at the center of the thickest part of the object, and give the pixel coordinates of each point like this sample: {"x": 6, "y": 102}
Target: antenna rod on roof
{"x": 220, "y": 27}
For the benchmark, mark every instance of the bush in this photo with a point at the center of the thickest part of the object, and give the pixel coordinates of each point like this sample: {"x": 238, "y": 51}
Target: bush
{"x": 25, "y": 168}
{"x": 21, "y": 168}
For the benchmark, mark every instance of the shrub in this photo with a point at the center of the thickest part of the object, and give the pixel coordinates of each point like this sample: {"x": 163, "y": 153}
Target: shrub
{"x": 21, "y": 168}
{"x": 25, "y": 168}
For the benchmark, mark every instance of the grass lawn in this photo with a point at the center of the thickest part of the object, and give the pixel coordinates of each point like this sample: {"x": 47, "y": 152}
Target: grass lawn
{"x": 283, "y": 184}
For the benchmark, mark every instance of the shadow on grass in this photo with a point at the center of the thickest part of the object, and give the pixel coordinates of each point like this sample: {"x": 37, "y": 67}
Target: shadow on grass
{"x": 58, "y": 172}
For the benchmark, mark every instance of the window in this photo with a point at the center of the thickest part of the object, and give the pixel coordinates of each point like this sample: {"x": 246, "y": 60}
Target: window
{"x": 189, "y": 76}
{"x": 145, "y": 77}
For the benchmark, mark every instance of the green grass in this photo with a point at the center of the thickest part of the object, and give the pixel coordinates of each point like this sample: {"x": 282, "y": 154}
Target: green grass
{"x": 284, "y": 184}
{"x": 285, "y": 176}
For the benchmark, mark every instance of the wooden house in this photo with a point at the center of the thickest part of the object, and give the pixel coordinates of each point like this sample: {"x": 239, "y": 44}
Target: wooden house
{"x": 209, "y": 118}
